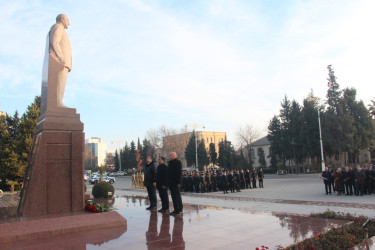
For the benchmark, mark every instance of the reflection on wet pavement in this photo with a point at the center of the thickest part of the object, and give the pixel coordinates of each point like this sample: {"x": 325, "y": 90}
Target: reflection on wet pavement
{"x": 203, "y": 227}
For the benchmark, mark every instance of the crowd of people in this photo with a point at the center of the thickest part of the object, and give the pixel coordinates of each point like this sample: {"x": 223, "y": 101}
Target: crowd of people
{"x": 350, "y": 181}
{"x": 221, "y": 180}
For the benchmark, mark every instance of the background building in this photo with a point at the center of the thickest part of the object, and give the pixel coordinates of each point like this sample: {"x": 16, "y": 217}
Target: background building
{"x": 179, "y": 142}
{"x": 96, "y": 151}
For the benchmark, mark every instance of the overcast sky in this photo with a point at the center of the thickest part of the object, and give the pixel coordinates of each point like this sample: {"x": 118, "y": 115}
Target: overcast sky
{"x": 141, "y": 64}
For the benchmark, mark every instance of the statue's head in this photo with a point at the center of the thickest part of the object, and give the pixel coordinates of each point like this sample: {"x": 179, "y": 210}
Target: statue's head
{"x": 62, "y": 18}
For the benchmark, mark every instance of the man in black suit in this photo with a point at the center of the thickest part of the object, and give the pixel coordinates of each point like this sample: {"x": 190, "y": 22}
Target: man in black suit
{"x": 161, "y": 184}
{"x": 174, "y": 182}
{"x": 150, "y": 182}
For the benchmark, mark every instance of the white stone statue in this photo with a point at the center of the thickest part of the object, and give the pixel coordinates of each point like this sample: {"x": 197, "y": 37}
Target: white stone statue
{"x": 57, "y": 64}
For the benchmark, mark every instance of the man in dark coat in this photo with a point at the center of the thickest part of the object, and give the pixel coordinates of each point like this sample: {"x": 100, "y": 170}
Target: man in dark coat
{"x": 161, "y": 184}
{"x": 150, "y": 182}
{"x": 327, "y": 176}
{"x": 174, "y": 182}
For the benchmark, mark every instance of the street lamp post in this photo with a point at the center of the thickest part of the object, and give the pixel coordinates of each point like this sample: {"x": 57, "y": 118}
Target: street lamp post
{"x": 316, "y": 100}
{"x": 119, "y": 142}
{"x": 195, "y": 126}
{"x": 321, "y": 142}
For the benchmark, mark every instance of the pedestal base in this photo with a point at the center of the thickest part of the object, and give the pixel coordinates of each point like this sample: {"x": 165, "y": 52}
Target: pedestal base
{"x": 54, "y": 176}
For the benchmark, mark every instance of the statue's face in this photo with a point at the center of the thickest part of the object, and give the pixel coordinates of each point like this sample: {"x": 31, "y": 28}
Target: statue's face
{"x": 65, "y": 21}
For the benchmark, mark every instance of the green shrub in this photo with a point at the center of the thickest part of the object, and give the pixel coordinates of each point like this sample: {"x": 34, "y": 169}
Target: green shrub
{"x": 101, "y": 190}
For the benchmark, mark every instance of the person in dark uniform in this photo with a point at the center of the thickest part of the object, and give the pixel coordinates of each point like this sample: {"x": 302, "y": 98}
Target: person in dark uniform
{"x": 236, "y": 179}
{"x": 351, "y": 180}
{"x": 242, "y": 179}
{"x": 190, "y": 182}
{"x": 224, "y": 182}
{"x": 196, "y": 181}
{"x": 150, "y": 182}
{"x": 254, "y": 177}
{"x": 214, "y": 180}
{"x": 327, "y": 175}
{"x": 174, "y": 182}
{"x": 231, "y": 181}
{"x": 260, "y": 178}
{"x": 247, "y": 179}
{"x": 162, "y": 184}
{"x": 360, "y": 179}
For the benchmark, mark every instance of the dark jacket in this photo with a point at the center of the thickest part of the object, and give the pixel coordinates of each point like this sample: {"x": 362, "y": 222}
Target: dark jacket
{"x": 174, "y": 172}
{"x": 162, "y": 176}
{"x": 150, "y": 174}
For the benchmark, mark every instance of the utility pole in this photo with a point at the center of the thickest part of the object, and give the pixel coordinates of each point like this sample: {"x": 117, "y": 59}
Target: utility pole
{"x": 195, "y": 126}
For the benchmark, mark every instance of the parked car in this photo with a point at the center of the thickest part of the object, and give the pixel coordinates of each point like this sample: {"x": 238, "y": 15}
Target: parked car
{"x": 121, "y": 173}
{"x": 95, "y": 179}
{"x": 281, "y": 172}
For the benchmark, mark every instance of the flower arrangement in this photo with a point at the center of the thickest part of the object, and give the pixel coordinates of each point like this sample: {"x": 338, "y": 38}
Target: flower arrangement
{"x": 343, "y": 237}
{"x": 95, "y": 207}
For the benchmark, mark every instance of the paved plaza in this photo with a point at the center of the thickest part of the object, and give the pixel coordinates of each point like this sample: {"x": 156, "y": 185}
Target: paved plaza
{"x": 273, "y": 217}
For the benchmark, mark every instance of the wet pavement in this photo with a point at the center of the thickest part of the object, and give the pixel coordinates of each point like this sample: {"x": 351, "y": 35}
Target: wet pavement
{"x": 209, "y": 227}
{"x": 273, "y": 217}
{"x": 200, "y": 227}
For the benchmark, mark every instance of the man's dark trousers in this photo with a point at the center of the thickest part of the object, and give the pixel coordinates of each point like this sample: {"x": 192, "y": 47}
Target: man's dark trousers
{"x": 152, "y": 196}
{"x": 176, "y": 198}
{"x": 163, "y": 193}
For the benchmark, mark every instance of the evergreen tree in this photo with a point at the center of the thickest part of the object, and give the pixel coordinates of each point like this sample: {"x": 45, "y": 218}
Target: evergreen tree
{"x": 262, "y": 158}
{"x": 190, "y": 151}
{"x": 203, "y": 159}
{"x": 125, "y": 157}
{"x": 226, "y": 154}
{"x": 145, "y": 152}
{"x": 333, "y": 93}
{"x": 133, "y": 155}
{"x": 25, "y": 133}
{"x": 213, "y": 154}
{"x": 275, "y": 138}
{"x": 116, "y": 161}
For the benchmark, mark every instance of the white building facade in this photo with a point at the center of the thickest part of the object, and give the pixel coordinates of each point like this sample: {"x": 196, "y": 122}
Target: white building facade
{"x": 97, "y": 150}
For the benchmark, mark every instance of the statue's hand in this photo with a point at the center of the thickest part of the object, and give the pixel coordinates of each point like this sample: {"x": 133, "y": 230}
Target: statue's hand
{"x": 62, "y": 61}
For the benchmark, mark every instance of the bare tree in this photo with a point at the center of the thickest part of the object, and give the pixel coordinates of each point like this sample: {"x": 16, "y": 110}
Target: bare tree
{"x": 155, "y": 136}
{"x": 246, "y": 136}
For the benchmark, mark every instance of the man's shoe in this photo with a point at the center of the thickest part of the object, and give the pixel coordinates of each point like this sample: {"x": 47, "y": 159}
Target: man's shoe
{"x": 148, "y": 208}
{"x": 173, "y": 213}
{"x": 161, "y": 210}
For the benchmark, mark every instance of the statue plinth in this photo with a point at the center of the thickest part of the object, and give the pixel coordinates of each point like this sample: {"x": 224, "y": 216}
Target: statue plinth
{"x": 54, "y": 177}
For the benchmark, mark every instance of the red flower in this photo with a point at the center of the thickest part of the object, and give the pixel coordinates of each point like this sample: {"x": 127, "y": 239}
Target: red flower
{"x": 342, "y": 232}
{"x": 334, "y": 242}
{"x": 312, "y": 248}
{"x": 307, "y": 245}
{"x": 317, "y": 236}
{"x": 257, "y": 248}
{"x": 334, "y": 228}
{"x": 299, "y": 247}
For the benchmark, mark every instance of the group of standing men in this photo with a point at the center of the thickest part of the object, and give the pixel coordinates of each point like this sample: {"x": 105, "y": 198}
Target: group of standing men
{"x": 221, "y": 180}
{"x": 161, "y": 178}
{"x": 349, "y": 181}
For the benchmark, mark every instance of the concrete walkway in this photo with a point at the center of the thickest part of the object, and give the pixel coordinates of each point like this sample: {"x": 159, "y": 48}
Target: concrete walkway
{"x": 294, "y": 194}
